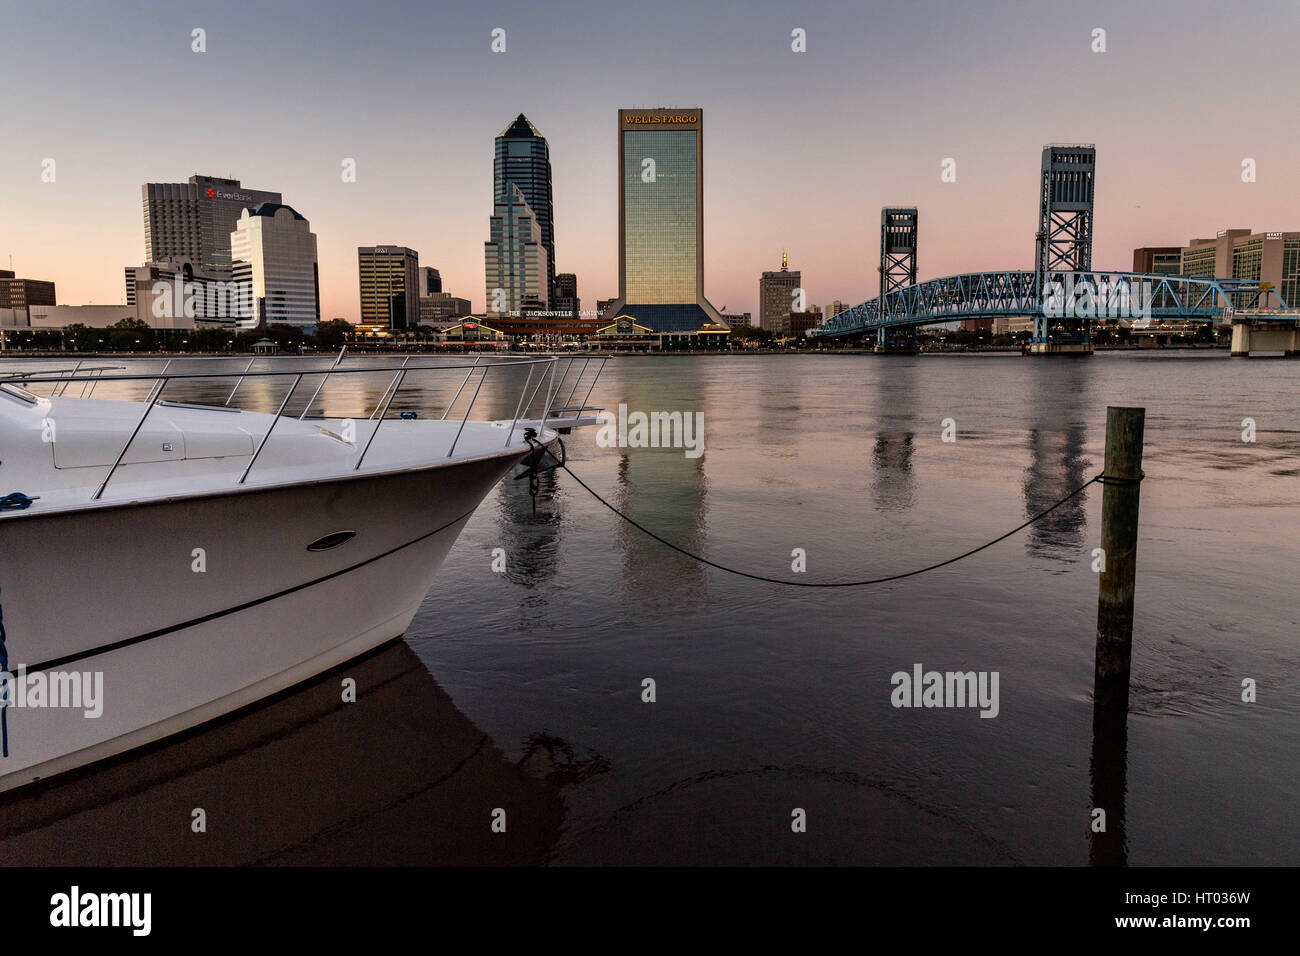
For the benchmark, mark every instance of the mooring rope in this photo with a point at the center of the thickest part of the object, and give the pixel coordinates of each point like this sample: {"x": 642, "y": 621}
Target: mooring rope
{"x": 1098, "y": 479}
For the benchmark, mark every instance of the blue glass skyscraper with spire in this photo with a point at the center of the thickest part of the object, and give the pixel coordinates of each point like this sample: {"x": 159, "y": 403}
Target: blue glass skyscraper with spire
{"x": 524, "y": 159}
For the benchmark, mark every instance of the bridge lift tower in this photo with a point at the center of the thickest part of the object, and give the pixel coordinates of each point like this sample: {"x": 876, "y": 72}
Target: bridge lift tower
{"x": 897, "y": 260}
{"x": 897, "y": 248}
{"x": 1064, "y": 239}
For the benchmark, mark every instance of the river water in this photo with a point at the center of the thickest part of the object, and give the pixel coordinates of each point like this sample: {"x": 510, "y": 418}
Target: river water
{"x": 770, "y": 699}
{"x": 772, "y": 705}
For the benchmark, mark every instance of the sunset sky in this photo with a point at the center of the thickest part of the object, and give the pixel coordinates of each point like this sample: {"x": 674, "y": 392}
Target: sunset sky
{"x": 800, "y": 149}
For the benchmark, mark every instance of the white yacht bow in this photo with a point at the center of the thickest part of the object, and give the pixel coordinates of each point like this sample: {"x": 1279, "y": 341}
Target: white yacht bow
{"x": 166, "y": 557}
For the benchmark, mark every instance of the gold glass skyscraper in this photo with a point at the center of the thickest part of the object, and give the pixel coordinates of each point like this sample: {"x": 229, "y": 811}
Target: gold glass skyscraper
{"x": 661, "y": 220}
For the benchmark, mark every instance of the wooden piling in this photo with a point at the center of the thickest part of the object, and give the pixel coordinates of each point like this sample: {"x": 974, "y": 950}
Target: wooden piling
{"x": 1119, "y": 532}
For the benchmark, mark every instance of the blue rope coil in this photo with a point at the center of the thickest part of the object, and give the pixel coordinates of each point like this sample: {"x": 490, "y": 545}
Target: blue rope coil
{"x": 15, "y": 501}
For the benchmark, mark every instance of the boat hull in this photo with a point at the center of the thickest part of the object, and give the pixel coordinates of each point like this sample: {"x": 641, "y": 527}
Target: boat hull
{"x": 183, "y": 609}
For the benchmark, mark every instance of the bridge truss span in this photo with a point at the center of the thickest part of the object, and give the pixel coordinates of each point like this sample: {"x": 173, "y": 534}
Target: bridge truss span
{"x": 1067, "y": 297}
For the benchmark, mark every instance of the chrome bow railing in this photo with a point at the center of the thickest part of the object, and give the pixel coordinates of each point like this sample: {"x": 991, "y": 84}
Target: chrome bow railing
{"x": 548, "y": 378}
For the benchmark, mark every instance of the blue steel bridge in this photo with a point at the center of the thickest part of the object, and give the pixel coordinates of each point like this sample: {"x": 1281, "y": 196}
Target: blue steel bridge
{"x": 1063, "y": 294}
{"x": 1070, "y": 298}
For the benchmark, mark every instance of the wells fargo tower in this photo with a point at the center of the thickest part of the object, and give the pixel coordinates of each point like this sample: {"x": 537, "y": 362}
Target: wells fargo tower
{"x": 661, "y": 221}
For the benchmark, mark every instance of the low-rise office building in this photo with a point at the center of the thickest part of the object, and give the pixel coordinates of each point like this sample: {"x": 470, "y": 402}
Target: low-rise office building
{"x": 17, "y": 293}
{"x": 438, "y": 307}
{"x": 91, "y": 316}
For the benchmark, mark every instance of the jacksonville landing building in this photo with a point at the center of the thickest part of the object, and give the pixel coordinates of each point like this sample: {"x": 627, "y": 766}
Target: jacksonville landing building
{"x": 661, "y": 229}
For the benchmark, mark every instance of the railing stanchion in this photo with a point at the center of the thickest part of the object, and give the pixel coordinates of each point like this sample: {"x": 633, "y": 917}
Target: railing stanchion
{"x": 99, "y": 373}
{"x": 550, "y": 398}
{"x": 390, "y": 386}
{"x": 541, "y": 380}
{"x": 578, "y": 381}
{"x": 396, "y": 386}
{"x": 567, "y": 369}
{"x": 60, "y": 391}
{"x": 324, "y": 377}
{"x": 478, "y": 359}
{"x": 511, "y": 434}
{"x": 271, "y": 427}
{"x": 153, "y": 400}
{"x": 482, "y": 379}
{"x": 599, "y": 368}
{"x": 247, "y": 368}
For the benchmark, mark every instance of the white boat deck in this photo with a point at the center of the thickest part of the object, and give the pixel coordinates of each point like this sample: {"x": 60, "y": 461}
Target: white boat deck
{"x": 78, "y": 451}
{"x": 72, "y": 445}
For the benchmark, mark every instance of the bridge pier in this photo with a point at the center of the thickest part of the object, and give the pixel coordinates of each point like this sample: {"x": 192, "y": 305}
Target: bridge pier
{"x": 896, "y": 341}
{"x": 1073, "y": 339}
{"x": 1060, "y": 348}
{"x": 1248, "y": 337}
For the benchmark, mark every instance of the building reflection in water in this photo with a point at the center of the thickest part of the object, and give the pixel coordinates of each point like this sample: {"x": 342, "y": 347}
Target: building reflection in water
{"x": 893, "y": 483}
{"x": 1056, "y": 438}
{"x": 666, "y": 491}
{"x": 400, "y": 777}
{"x": 778, "y": 414}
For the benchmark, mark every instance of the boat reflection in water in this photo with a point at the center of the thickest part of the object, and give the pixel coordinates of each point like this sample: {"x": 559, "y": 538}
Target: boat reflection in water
{"x": 398, "y": 777}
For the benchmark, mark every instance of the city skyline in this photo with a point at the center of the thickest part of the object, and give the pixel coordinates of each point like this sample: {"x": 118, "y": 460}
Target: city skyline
{"x": 799, "y": 152}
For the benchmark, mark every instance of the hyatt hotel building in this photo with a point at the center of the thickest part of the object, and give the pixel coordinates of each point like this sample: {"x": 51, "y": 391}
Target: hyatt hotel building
{"x": 661, "y": 222}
